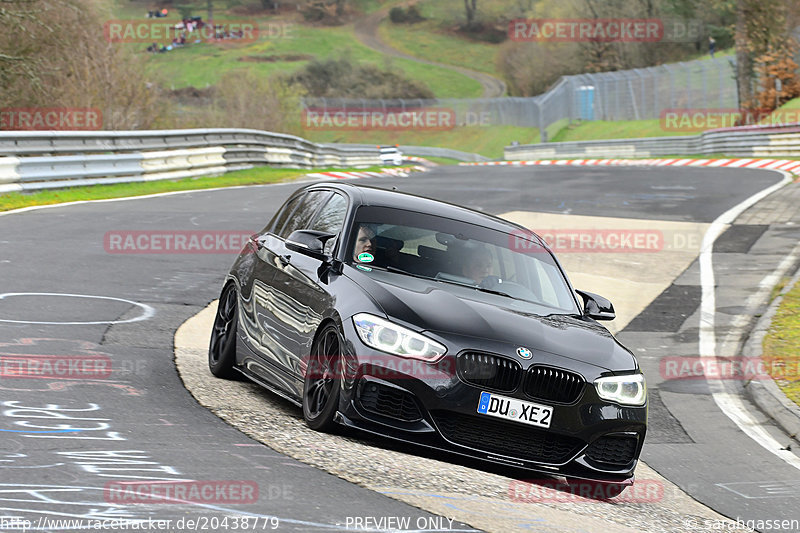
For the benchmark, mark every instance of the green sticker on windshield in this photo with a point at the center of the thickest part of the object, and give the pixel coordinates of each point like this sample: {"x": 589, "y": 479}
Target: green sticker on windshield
{"x": 365, "y": 269}
{"x": 366, "y": 257}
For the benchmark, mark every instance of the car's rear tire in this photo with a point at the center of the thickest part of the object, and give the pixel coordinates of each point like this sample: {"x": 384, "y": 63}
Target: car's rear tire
{"x": 322, "y": 380}
{"x": 222, "y": 348}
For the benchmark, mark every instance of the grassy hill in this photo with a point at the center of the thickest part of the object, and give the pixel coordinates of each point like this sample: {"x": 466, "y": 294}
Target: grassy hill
{"x": 287, "y": 43}
{"x": 437, "y": 38}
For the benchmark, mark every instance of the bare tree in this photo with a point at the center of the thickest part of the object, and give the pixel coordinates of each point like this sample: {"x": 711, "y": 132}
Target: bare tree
{"x": 472, "y": 10}
{"x": 764, "y": 45}
{"x": 57, "y": 56}
{"x": 744, "y": 67}
{"x": 18, "y": 50}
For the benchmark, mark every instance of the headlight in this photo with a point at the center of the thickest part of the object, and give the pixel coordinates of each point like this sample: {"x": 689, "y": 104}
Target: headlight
{"x": 627, "y": 390}
{"x": 385, "y": 336}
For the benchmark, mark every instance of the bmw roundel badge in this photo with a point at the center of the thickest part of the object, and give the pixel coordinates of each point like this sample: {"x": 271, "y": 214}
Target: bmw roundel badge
{"x": 524, "y": 352}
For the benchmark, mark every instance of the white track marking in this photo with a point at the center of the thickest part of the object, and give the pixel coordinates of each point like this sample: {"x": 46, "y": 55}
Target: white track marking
{"x": 147, "y": 311}
{"x": 731, "y": 404}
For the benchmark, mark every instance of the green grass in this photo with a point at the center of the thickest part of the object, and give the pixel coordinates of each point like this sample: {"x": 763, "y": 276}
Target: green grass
{"x": 626, "y": 129}
{"x": 368, "y": 6}
{"x": 429, "y": 41}
{"x": 622, "y": 129}
{"x": 129, "y": 9}
{"x": 203, "y": 64}
{"x": 776, "y": 290}
{"x": 792, "y": 104}
{"x": 781, "y": 347}
{"x": 442, "y": 160}
{"x": 253, "y": 176}
{"x": 556, "y": 127}
{"x": 488, "y": 141}
{"x": 452, "y": 11}
{"x": 785, "y": 114}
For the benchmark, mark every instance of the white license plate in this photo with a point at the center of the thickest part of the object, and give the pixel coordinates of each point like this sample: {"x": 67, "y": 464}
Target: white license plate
{"x": 531, "y": 413}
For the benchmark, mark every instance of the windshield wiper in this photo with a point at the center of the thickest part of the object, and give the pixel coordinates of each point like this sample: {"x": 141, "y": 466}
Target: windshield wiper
{"x": 389, "y": 268}
{"x": 477, "y": 288}
{"x": 494, "y": 291}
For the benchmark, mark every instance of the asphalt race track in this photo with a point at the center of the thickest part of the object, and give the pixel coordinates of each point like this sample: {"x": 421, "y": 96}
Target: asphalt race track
{"x": 67, "y": 440}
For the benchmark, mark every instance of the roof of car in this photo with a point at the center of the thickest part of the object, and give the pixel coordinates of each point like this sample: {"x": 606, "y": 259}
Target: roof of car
{"x": 374, "y": 196}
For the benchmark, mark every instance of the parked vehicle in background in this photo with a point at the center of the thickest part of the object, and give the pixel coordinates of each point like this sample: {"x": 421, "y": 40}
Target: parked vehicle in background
{"x": 390, "y": 155}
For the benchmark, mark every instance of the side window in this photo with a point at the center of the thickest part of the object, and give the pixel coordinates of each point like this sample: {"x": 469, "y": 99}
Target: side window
{"x": 301, "y": 218}
{"x": 331, "y": 219}
{"x": 283, "y": 215}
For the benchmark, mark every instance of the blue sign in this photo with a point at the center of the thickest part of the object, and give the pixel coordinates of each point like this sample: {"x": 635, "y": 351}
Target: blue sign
{"x": 483, "y": 405}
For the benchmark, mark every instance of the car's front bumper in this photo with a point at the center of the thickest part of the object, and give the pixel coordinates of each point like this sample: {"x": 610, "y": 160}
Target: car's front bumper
{"x": 429, "y": 405}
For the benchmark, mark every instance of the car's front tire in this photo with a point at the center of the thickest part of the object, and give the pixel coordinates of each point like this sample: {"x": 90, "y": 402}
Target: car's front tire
{"x": 222, "y": 348}
{"x": 323, "y": 375}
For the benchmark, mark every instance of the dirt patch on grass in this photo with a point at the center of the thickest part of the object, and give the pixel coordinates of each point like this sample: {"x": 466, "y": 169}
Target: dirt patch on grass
{"x": 192, "y": 95}
{"x": 275, "y": 58}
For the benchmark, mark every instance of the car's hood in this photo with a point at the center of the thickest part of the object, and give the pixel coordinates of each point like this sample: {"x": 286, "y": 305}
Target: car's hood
{"x": 445, "y": 308}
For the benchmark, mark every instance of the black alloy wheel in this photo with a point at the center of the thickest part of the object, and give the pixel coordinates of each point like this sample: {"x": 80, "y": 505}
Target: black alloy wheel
{"x": 321, "y": 384}
{"x": 222, "y": 349}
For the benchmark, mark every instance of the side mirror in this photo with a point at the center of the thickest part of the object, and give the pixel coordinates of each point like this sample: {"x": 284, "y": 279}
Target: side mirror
{"x": 309, "y": 242}
{"x": 597, "y": 307}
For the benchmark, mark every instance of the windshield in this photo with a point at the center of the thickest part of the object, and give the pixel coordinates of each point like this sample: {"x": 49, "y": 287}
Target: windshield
{"x": 457, "y": 253}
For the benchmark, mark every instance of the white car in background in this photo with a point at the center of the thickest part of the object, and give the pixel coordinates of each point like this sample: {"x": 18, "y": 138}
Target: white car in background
{"x": 390, "y": 155}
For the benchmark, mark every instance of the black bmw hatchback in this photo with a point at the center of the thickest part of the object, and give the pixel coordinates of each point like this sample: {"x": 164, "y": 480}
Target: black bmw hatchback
{"x": 432, "y": 324}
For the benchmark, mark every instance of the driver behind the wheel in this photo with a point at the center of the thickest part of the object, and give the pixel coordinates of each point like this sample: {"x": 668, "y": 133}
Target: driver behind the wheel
{"x": 478, "y": 264}
{"x": 365, "y": 241}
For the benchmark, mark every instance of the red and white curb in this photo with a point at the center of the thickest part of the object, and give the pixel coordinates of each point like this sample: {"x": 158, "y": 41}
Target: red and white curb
{"x": 421, "y": 160}
{"x": 788, "y": 165}
{"x": 386, "y": 172}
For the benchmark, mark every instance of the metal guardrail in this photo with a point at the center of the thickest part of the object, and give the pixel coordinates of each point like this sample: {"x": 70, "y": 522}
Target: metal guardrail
{"x": 49, "y": 159}
{"x": 430, "y": 151}
{"x": 424, "y": 151}
{"x": 767, "y": 141}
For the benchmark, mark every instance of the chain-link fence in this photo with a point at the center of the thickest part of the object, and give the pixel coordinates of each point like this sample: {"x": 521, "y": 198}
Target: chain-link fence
{"x": 644, "y": 93}
{"x": 622, "y": 95}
